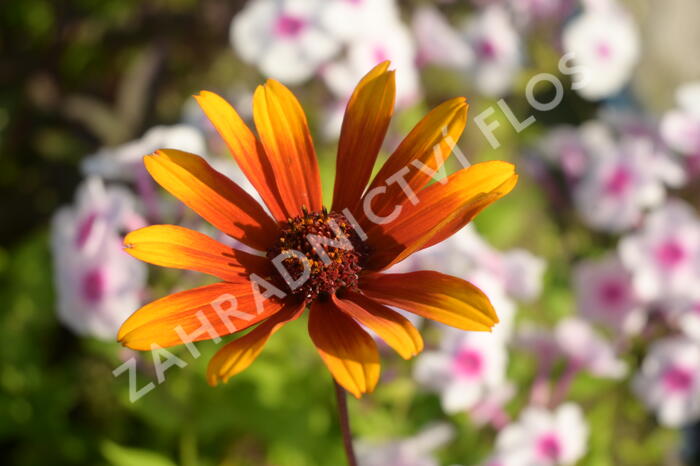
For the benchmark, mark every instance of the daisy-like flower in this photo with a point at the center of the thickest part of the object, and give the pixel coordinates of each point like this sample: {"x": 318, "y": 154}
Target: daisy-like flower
{"x": 328, "y": 260}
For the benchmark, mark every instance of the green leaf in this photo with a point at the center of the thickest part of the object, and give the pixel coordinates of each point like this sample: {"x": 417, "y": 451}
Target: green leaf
{"x": 118, "y": 455}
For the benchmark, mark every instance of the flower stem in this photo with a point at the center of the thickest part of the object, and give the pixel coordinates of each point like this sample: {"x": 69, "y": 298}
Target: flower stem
{"x": 564, "y": 383}
{"x": 344, "y": 419}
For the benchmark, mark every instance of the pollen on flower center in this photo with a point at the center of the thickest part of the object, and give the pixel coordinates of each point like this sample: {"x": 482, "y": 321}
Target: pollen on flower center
{"x": 321, "y": 252}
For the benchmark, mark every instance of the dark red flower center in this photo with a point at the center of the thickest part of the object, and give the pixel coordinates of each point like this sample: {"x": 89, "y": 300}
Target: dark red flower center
{"x": 316, "y": 254}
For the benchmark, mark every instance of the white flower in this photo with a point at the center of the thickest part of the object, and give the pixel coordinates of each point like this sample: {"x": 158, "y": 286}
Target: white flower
{"x": 495, "y": 45}
{"x": 523, "y": 274}
{"x": 505, "y": 308}
{"x": 565, "y": 147}
{"x": 680, "y": 127}
{"x": 392, "y": 42}
{"x": 669, "y": 381}
{"x": 464, "y": 370}
{"x": 438, "y": 43}
{"x": 605, "y": 42}
{"x": 351, "y": 20}
{"x": 333, "y": 119}
{"x": 412, "y": 451}
{"x": 685, "y": 313}
{"x": 586, "y": 350}
{"x": 543, "y": 438}
{"x": 517, "y": 272}
{"x": 630, "y": 124}
{"x": 664, "y": 255}
{"x": 124, "y": 162}
{"x": 284, "y": 38}
{"x": 98, "y": 284}
{"x": 605, "y": 294}
{"x": 627, "y": 122}
{"x": 528, "y": 11}
{"x": 623, "y": 180}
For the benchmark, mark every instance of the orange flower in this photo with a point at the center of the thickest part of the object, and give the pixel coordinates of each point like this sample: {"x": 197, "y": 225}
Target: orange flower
{"x": 332, "y": 262}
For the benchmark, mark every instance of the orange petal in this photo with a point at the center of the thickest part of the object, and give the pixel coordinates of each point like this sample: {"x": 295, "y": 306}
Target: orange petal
{"x": 237, "y": 355}
{"x": 349, "y": 352}
{"x": 203, "y": 313}
{"x": 366, "y": 120}
{"x": 437, "y": 132}
{"x": 397, "y": 331}
{"x": 441, "y": 210}
{"x": 212, "y": 195}
{"x": 457, "y": 222}
{"x": 433, "y": 295}
{"x": 245, "y": 148}
{"x": 181, "y": 248}
{"x": 285, "y": 135}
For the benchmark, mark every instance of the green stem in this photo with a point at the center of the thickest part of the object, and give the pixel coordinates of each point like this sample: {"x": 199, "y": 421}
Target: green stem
{"x": 344, "y": 418}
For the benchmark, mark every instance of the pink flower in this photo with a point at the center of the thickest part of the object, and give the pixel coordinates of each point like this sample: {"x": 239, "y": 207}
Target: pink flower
{"x": 685, "y": 313}
{"x": 680, "y": 127}
{"x": 517, "y": 272}
{"x": 565, "y": 147}
{"x": 376, "y": 34}
{"x": 496, "y": 48}
{"x": 605, "y": 294}
{"x": 284, "y": 38}
{"x": 604, "y": 42}
{"x": 438, "y": 42}
{"x": 664, "y": 255}
{"x": 97, "y": 283}
{"x": 392, "y": 41}
{"x": 124, "y": 162}
{"x": 542, "y": 437}
{"x": 464, "y": 370}
{"x": 351, "y": 20}
{"x": 669, "y": 381}
{"x": 623, "y": 179}
{"x": 412, "y": 451}
{"x": 528, "y": 12}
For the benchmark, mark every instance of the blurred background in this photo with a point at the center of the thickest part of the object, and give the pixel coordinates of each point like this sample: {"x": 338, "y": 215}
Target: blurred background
{"x": 593, "y": 262}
